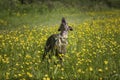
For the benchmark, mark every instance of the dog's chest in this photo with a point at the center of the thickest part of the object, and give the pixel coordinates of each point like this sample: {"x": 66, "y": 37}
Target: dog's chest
{"x": 61, "y": 40}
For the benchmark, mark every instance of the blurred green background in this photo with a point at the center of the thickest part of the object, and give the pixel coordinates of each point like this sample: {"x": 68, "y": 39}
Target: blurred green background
{"x": 15, "y": 13}
{"x": 94, "y": 45}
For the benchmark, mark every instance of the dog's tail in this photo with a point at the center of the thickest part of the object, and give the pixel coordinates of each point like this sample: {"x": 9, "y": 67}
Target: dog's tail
{"x": 50, "y": 43}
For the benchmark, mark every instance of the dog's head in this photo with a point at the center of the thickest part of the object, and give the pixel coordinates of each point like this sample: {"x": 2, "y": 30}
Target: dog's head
{"x": 64, "y": 26}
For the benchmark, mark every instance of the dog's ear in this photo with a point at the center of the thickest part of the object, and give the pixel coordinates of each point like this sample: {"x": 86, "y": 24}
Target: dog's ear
{"x": 70, "y": 28}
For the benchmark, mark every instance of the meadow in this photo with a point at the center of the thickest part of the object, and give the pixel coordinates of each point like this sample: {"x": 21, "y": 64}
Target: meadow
{"x": 93, "y": 52}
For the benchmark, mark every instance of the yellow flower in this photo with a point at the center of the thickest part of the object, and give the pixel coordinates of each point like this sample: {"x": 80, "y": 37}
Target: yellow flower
{"x": 76, "y": 64}
{"x": 19, "y": 74}
{"x": 7, "y": 75}
{"x": 44, "y": 78}
{"x": 28, "y": 56}
{"x": 29, "y": 74}
{"x": 21, "y": 66}
{"x": 6, "y": 60}
{"x": 79, "y": 70}
{"x": 106, "y": 68}
{"x": 58, "y": 65}
{"x": 101, "y": 78}
{"x": 49, "y": 60}
{"x": 23, "y": 79}
{"x": 17, "y": 64}
{"x": 1, "y": 36}
{"x": 47, "y": 78}
{"x": 90, "y": 68}
{"x": 105, "y": 62}
{"x": 62, "y": 77}
{"x": 100, "y": 70}
{"x": 15, "y": 75}
{"x": 46, "y": 75}
{"x": 20, "y": 55}
{"x": 62, "y": 69}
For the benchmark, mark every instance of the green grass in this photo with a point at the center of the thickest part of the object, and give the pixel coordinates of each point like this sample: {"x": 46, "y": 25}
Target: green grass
{"x": 92, "y": 53}
{"x": 18, "y": 19}
{"x": 47, "y": 13}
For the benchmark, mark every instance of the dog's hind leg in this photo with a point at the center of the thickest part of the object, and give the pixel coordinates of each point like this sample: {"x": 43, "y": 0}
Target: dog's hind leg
{"x": 50, "y": 43}
{"x": 46, "y": 50}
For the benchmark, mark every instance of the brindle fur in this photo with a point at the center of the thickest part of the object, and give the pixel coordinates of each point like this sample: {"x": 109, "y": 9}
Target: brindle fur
{"x": 57, "y": 43}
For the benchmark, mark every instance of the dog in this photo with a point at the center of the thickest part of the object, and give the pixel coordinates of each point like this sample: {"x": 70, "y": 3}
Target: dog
{"x": 57, "y": 43}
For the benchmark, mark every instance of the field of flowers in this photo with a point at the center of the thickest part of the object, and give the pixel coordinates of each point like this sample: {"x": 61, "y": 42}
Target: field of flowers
{"x": 93, "y": 52}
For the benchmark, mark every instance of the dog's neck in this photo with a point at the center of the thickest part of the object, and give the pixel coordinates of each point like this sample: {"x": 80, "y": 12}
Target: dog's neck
{"x": 64, "y": 34}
